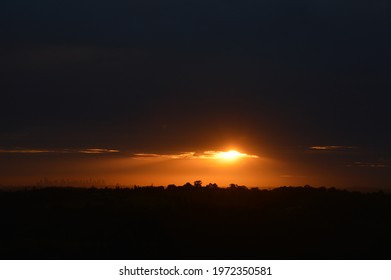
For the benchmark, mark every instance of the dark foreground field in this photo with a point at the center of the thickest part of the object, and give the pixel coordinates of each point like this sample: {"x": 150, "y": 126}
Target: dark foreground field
{"x": 194, "y": 223}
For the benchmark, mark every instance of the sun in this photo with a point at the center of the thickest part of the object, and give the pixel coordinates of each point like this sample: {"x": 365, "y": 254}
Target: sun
{"x": 230, "y": 155}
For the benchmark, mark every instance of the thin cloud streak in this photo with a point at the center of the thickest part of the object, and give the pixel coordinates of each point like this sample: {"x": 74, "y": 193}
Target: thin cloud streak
{"x": 98, "y": 151}
{"x": 193, "y": 155}
{"x": 370, "y": 164}
{"x": 24, "y": 151}
{"x": 59, "y": 151}
{"x": 331, "y": 148}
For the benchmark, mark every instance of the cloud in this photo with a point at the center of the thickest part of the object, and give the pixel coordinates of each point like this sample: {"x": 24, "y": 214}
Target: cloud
{"x": 331, "y": 148}
{"x": 184, "y": 155}
{"x": 188, "y": 155}
{"x": 197, "y": 155}
{"x": 98, "y": 151}
{"x": 59, "y": 151}
{"x": 371, "y": 164}
{"x": 24, "y": 151}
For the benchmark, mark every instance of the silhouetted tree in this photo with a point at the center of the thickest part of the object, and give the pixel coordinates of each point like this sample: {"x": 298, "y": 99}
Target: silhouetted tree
{"x": 187, "y": 185}
{"x": 171, "y": 187}
{"x": 198, "y": 183}
{"x": 212, "y": 186}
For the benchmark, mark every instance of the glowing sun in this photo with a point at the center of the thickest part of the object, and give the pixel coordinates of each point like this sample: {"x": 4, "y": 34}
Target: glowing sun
{"x": 232, "y": 155}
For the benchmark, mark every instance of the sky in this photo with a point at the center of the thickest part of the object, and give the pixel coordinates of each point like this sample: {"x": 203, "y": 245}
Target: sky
{"x": 141, "y": 92}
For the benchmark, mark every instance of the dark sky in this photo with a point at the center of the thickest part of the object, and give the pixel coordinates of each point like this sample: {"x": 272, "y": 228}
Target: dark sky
{"x": 275, "y": 78}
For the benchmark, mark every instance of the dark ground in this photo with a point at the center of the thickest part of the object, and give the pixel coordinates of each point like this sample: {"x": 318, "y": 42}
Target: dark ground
{"x": 194, "y": 223}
